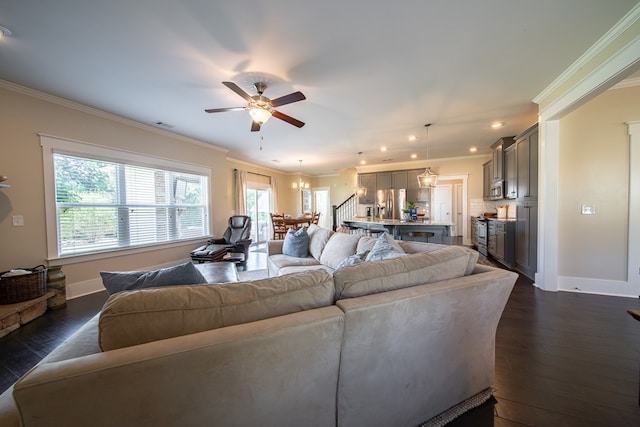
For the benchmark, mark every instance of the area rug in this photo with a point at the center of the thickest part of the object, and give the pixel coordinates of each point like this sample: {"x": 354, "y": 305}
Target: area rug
{"x": 252, "y": 275}
{"x": 454, "y": 412}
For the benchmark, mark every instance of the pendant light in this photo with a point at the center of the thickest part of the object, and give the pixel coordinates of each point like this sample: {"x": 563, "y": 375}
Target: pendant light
{"x": 300, "y": 185}
{"x": 427, "y": 179}
{"x": 360, "y": 190}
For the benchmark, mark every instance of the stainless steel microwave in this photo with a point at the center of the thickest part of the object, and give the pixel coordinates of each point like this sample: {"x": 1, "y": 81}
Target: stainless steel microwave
{"x": 497, "y": 190}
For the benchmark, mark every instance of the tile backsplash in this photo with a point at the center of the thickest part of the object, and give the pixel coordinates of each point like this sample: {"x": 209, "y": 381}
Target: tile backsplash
{"x": 477, "y": 207}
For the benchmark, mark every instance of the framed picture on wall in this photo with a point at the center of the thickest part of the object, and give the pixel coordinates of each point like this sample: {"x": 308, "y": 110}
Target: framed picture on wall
{"x": 306, "y": 200}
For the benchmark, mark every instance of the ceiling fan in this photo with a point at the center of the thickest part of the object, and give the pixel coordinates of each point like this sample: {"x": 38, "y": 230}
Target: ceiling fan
{"x": 260, "y": 107}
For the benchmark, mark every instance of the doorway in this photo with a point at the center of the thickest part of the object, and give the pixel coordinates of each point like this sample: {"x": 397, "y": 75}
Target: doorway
{"x": 258, "y": 209}
{"x": 321, "y": 203}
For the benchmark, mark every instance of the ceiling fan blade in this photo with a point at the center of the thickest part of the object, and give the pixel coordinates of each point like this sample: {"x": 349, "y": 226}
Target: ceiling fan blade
{"x": 220, "y": 110}
{"x": 234, "y": 87}
{"x": 287, "y": 119}
{"x": 255, "y": 126}
{"x": 288, "y": 99}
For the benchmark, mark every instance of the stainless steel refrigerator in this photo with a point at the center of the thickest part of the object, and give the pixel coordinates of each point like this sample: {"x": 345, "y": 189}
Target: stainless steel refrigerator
{"x": 389, "y": 203}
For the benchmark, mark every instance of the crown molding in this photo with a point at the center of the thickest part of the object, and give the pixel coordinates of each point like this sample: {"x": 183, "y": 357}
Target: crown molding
{"x": 14, "y": 87}
{"x": 616, "y": 31}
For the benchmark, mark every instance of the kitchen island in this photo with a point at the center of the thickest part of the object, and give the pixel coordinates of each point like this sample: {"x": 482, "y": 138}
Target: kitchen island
{"x": 401, "y": 229}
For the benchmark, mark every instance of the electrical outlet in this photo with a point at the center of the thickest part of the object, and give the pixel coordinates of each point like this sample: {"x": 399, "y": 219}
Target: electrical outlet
{"x": 17, "y": 220}
{"x": 588, "y": 209}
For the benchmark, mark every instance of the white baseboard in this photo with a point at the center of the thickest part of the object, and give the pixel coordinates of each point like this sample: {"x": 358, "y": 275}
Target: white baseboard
{"x": 91, "y": 286}
{"x": 617, "y": 288}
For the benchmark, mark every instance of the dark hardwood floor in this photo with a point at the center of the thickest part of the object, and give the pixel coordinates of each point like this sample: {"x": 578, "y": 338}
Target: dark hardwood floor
{"x": 562, "y": 359}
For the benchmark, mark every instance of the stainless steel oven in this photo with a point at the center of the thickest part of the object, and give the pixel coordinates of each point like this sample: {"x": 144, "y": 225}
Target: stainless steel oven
{"x": 482, "y": 233}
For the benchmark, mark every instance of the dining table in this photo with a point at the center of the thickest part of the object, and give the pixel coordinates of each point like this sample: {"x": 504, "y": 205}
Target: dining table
{"x": 297, "y": 222}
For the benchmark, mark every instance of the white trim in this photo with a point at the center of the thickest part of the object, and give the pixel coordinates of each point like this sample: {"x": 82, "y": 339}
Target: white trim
{"x": 633, "y": 251}
{"x": 51, "y": 144}
{"x": 586, "y": 285}
{"x": 610, "y": 72}
{"x": 596, "y": 82}
{"x": 414, "y": 164}
{"x": 548, "y": 176}
{"x": 616, "y": 31}
{"x": 465, "y": 202}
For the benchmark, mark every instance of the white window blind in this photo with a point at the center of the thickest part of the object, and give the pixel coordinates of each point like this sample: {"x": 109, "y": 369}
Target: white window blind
{"x": 104, "y": 205}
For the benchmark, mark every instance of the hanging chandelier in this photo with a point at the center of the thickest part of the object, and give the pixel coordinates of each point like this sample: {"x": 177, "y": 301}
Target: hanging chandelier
{"x": 427, "y": 179}
{"x": 360, "y": 190}
{"x": 300, "y": 185}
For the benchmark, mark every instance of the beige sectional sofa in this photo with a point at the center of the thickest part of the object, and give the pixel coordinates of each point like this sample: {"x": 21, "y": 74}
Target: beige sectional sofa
{"x": 382, "y": 343}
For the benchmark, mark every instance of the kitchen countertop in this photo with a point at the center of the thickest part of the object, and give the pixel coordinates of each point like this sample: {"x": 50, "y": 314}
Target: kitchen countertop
{"x": 495, "y": 219}
{"x": 386, "y": 221}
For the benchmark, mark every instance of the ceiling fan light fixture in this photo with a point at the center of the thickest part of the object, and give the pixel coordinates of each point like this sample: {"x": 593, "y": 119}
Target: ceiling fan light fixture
{"x": 259, "y": 114}
{"x": 427, "y": 179}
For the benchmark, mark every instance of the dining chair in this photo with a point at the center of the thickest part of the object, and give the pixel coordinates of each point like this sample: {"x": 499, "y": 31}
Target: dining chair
{"x": 278, "y": 225}
{"x": 315, "y": 218}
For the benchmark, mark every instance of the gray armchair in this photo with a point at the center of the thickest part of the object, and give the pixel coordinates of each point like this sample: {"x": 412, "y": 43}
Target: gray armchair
{"x": 236, "y": 239}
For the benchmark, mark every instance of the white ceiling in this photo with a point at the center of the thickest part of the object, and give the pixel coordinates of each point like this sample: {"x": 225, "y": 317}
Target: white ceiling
{"x": 374, "y": 72}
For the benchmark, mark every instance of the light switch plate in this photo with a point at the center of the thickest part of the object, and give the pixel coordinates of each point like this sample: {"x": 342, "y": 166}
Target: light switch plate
{"x": 17, "y": 220}
{"x": 588, "y": 209}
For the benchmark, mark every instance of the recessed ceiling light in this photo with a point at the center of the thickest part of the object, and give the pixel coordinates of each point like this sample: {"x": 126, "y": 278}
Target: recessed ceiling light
{"x": 363, "y": 162}
{"x": 412, "y": 137}
{"x": 383, "y": 149}
{"x": 497, "y": 125}
{"x": 473, "y": 149}
{"x": 4, "y": 32}
{"x": 414, "y": 156}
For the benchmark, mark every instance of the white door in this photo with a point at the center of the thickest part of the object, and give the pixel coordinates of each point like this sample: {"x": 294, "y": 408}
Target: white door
{"x": 442, "y": 205}
{"x": 321, "y": 204}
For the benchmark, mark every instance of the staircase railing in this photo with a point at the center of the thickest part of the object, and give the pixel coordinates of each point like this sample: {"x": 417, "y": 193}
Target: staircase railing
{"x": 345, "y": 210}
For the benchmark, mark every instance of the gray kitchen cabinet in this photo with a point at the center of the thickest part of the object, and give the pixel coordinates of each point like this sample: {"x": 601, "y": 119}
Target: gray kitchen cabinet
{"x": 501, "y": 241}
{"x": 527, "y": 238}
{"x": 510, "y": 173}
{"x": 487, "y": 179}
{"x": 527, "y": 202}
{"x": 415, "y": 193}
{"x": 527, "y": 164}
{"x": 368, "y": 180}
{"x": 497, "y": 157}
{"x": 399, "y": 179}
{"x": 383, "y": 181}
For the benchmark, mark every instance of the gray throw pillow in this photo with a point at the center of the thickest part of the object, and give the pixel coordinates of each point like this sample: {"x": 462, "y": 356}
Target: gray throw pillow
{"x": 183, "y": 274}
{"x": 385, "y": 248}
{"x": 353, "y": 260}
{"x": 296, "y": 243}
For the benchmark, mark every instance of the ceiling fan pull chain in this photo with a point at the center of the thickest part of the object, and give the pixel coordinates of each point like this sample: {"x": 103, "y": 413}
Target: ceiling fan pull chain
{"x": 261, "y": 139}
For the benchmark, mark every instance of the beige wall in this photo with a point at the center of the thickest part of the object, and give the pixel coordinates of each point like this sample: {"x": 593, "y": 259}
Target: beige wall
{"x": 594, "y": 169}
{"x": 288, "y": 201}
{"x": 22, "y": 117}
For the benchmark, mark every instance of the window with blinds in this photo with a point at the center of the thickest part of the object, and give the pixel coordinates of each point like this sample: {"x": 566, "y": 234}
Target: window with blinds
{"x": 104, "y": 205}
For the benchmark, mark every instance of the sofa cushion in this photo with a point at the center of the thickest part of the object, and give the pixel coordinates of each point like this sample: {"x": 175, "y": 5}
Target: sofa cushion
{"x": 318, "y": 238}
{"x": 448, "y": 262}
{"x": 135, "y": 317}
{"x": 353, "y": 259}
{"x": 183, "y": 274}
{"x": 296, "y": 243}
{"x": 412, "y": 247}
{"x": 299, "y": 268}
{"x": 279, "y": 261}
{"x": 385, "y": 248}
{"x": 339, "y": 247}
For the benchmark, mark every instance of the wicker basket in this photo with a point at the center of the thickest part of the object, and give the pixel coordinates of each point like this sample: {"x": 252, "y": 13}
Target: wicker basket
{"x": 24, "y": 287}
